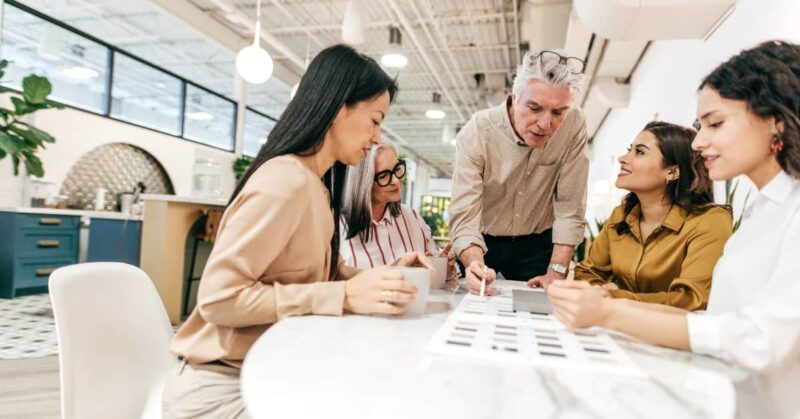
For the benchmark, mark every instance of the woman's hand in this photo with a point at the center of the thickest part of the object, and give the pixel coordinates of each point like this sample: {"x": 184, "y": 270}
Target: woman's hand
{"x": 379, "y": 290}
{"x": 413, "y": 259}
{"x": 452, "y": 269}
{"x": 476, "y": 272}
{"x": 578, "y": 304}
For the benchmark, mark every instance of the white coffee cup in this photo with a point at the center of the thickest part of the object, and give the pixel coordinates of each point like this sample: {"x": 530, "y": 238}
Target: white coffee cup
{"x": 440, "y": 267}
{"x": 420, "y": 278}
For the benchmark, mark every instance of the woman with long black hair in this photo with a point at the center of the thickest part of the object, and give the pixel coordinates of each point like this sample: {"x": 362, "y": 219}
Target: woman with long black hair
{"x": 276, "y": 252}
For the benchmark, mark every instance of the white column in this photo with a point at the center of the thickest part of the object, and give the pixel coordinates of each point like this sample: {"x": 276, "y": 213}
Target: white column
{"x": 240, "y": 94}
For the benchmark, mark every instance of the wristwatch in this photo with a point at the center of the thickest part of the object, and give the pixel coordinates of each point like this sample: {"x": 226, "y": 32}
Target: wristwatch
{"x": 558, "y": 268}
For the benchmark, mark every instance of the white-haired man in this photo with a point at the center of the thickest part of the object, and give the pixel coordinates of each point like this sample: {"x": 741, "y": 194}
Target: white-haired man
{"x": 519, "y": 183}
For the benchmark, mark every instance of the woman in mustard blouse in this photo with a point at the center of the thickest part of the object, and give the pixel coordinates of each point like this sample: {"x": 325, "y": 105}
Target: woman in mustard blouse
{"x": 660, "y": 245}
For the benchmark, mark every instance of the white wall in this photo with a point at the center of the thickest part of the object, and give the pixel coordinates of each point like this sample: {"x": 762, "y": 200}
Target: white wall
{"x": 79, "y": 132}
{"x": 665, "y": 83}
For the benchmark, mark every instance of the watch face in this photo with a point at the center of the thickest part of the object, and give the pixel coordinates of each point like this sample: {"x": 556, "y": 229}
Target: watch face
{"x": 558, "y": 268}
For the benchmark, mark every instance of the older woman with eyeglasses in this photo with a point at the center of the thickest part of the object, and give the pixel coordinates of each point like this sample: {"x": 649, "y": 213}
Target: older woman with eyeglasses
{"x": 376, "y": 229}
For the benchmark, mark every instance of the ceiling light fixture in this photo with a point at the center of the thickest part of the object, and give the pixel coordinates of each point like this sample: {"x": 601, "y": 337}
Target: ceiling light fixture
{"x": 394, "y": 57}
{"x": 254, "y": 63}
{"x": 353, "y": 24}
{"x": 80, "y": 72}
{"x": 435, "y": 111}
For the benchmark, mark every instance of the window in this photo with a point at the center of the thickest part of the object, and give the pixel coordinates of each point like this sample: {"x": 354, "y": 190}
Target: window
{"x": 145, "y": 95}
{"x": 256, "y": 129}
{"x": 209, "y": 118}
{"x": 76, "y": 67}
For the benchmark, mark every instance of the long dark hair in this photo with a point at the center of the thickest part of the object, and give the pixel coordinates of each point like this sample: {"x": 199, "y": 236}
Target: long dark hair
{"x": 338, "y": 76}
{"x": 693, "y": 190}
{"x": 767, "y": 78}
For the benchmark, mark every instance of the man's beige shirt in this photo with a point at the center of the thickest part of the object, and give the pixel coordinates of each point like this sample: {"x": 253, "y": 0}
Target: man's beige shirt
{"x": 502, "y": 187}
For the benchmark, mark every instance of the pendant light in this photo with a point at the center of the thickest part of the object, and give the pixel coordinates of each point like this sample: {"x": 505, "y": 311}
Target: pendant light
{"x": 394, "y": 57}
{"x": 254, "y": 63}
{"x": 353, "y": 25}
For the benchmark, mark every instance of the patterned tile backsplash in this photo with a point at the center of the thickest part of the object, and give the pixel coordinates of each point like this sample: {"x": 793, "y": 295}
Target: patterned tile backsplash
{"x": 116, "y": 167}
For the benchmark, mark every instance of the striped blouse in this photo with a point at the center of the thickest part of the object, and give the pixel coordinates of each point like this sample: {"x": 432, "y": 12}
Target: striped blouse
{"x": 390, "y": 238}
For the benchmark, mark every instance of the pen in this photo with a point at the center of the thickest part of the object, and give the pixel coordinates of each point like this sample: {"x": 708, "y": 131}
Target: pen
{"x": 483, "y": 281}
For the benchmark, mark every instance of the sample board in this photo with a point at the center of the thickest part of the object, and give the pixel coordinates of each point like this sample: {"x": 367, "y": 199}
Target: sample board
{"x": 488, "y": 328}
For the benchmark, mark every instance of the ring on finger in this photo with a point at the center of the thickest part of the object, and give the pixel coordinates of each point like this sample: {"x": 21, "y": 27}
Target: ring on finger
{"x": 387, "y": 295}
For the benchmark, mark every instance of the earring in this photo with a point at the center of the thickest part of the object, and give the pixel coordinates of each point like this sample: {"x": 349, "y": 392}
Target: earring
{"x": 777, "y": 145}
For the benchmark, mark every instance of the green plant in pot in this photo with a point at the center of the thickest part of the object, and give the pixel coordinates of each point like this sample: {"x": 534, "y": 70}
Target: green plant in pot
{"x": 20, "y": 140}
{"x": 240, "y": 166}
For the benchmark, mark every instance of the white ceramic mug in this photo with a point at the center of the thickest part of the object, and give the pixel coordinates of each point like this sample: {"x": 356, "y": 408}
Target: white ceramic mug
{"x": 440, "y": 267}
{"x": 420, "y": 278}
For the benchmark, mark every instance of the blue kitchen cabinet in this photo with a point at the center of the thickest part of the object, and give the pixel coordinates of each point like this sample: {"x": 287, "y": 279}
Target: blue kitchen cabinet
{"x": 32, "y": 246}
{"x": 114, "y": 241}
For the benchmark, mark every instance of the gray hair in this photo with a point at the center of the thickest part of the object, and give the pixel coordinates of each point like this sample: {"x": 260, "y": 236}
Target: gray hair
{"x": 357, "y": 200}
{"x": 552, "y": 72}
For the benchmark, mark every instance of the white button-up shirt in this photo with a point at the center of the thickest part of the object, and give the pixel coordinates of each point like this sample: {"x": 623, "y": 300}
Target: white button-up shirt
{"x": 753, "y": 317}
{"x": 390, "y": 238}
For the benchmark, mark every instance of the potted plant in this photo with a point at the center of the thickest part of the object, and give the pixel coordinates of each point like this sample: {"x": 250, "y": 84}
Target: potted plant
{"x": 240, "y": 165}
{"x": 18, "y": 139}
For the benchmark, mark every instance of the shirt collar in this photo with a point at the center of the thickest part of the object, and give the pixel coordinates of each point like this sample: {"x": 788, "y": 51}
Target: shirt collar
{"x": 387, "y": 217}
{"x": 502, "y": 120}
{"x": 778, "y": 189}
{"x": 673, "y": 221}
{"x": 675, "y": 218}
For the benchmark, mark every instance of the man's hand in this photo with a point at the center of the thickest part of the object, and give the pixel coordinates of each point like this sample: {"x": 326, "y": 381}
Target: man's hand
{"x": 544, "y": 281}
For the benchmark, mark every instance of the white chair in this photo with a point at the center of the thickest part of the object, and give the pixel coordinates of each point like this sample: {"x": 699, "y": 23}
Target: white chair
{"x": 113, "y": 337}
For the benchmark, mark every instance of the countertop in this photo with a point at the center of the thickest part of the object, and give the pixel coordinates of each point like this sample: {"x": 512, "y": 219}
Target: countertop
{"x": 184, "y": 199}
{"x": 111, "y": 215}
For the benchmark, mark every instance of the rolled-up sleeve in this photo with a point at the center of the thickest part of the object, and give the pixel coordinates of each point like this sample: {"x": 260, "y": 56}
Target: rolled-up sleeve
{"x": 569, "y": 201}
{"x": 596, "y": 266}
{"x": 466, "y": 205}
{"x": 258, "y": 226}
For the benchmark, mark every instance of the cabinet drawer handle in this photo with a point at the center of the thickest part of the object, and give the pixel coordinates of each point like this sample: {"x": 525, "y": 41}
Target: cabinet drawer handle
{"x": 50, "y": 221}
{"x": 44, "y": 271}
{"x": 48, "y": 243}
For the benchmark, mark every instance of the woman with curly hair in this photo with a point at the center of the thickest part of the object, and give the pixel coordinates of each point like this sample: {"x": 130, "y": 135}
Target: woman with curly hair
{"x": 748, "y": 121}
{"x": 662, "y": 243}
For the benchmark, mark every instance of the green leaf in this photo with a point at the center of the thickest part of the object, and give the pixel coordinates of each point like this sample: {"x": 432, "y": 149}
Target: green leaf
{"x": 2, "y": 154}
{"x": 3, "y": 65}
{"x": 10, "y": 144}
{"x": 31, "y": 138}
{"x": 39, "y": 134}
{"x": 54, "y": 105}
{"x": 36, "y": 88}
{"x": 33, "y": 164}
{"x": 20, "y": 106}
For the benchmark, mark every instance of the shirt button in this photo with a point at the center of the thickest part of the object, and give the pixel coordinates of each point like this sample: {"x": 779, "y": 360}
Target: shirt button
{"x": 529, "y": 173}
{"x": 519, "y": 193}
{"x": 516, "y": 215}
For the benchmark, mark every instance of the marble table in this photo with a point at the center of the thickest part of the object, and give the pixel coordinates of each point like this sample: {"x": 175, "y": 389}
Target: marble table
{"x": 377, "y": 367}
